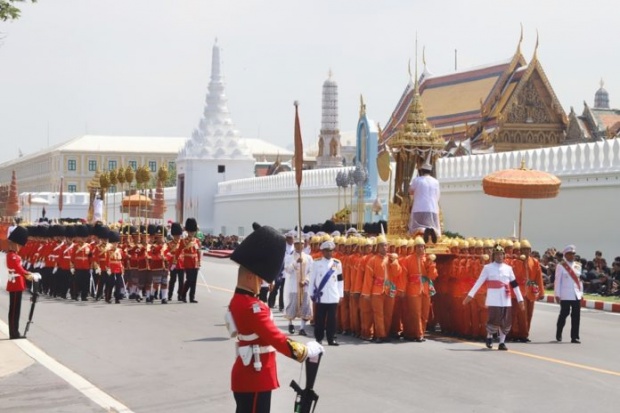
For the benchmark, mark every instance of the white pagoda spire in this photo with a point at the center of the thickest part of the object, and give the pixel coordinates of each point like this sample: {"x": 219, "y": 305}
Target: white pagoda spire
{"x": 329, "y": 139}
{"x": 216, "y": 136}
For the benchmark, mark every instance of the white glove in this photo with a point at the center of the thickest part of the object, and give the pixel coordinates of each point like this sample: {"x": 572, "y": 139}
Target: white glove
{"x": 54, "y": 270}
{"x": 172, "y": 267}
{"x": 98, "y": 271}
{"x": 11, "y": 277}
{"x": 314, "y": 351}
{"x": 72, "y": 271}
{"x": 36, "y": 277}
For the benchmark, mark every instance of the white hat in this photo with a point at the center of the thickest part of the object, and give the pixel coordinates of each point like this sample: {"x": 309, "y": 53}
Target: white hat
{"x": 569, "y": 248}
{"x": 351, "y": 231}
{"x": 335, "y": 234}
{"x": 328, "y": 245}
{"x": 291, "y": 234}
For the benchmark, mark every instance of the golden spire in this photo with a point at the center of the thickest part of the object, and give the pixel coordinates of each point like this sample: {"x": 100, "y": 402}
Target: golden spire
{"x": 520, "y": 39}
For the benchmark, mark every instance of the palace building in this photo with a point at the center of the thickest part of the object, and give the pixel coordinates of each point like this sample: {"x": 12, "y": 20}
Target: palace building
{"x": 499, "y": 107}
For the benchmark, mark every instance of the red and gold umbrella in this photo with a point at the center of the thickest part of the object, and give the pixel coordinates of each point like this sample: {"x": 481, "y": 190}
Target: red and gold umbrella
{"x": 522, "y": 183}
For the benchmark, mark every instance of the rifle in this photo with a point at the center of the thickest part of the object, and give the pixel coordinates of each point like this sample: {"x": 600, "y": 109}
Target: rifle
{"x": 306, "y": 399}
{"x": 33, "y": 299}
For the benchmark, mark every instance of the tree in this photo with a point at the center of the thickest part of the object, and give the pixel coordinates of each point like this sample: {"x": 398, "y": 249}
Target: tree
{"x": 8, "y": 11}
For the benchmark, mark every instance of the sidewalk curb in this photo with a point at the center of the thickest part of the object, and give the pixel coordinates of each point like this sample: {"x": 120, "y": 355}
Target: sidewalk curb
{"x": 593, "y": 304}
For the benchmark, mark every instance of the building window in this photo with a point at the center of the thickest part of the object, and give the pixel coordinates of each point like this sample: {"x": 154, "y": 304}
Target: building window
{"x": 133, "y": 165}
{"x": 112, "y": 189}
{"x": 92, "y": 165}
{"x": 72, "y": 188}
{"x": 71, "y": 165}
{"x": 172, "y": 166}
{"x": 111, "y": 165}
{"x": 153, "y": 166}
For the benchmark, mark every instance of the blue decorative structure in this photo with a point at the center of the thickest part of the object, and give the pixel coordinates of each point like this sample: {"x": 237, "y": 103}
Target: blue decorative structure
{"x": 367, "y": 135}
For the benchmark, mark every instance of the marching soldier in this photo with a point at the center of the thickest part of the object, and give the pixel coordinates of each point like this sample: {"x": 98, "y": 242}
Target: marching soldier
{"x": 176, "y": 266}
{"x": 189, "y": 254}
{"x": 81, "y": 263}
{"x": 157, "y": 264}
{"x": 114, "y": 268}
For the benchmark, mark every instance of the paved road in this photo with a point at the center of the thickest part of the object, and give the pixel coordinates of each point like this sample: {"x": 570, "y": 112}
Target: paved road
{"x": 156, "y": 358}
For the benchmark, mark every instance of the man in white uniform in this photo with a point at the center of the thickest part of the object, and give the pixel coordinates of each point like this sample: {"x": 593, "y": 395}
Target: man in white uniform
{"x": 499, "y": 279}
{"x": 326, "y": 290}
{"x": 424, "y": 219}
{"x": 297, "y": 268}
{"x": 568, "y": 291}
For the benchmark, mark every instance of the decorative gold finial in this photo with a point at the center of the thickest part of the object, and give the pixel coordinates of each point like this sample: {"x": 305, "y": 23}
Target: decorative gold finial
{"x": 424, "y": 56}
{"x": 602, "y": 83}
{"x": 536, "y": 46}
{"x": 520, "y": 37}
{"x": 409, "y": 68}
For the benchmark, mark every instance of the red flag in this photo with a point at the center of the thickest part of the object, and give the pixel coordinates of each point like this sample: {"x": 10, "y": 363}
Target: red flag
{"x": 60, "y": 198}
{"x": 299, "y": 148}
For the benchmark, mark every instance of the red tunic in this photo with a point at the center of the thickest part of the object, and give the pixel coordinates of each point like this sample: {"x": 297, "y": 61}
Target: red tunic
{"x": 14, "y": 264}
{"x": 81, "y": 257}
{"x": 188, "y": 253}
{"x": 252, "y": 316}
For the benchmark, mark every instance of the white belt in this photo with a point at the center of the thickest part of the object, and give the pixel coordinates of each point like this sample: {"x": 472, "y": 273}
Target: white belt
{"x": 261, "y": 349}
{"x": 246, "y": 353}
{"x": 247, "y": 337}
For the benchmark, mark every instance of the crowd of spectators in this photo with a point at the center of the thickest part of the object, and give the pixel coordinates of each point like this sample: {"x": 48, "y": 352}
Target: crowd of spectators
{"x": 597, "y": 276}
{"x": 220, "y": 242}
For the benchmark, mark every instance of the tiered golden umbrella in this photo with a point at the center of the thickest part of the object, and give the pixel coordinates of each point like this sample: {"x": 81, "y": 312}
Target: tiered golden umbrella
{"x": 522, "y": 183}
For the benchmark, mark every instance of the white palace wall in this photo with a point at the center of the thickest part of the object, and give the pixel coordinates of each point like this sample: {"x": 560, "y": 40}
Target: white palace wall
{"x": 584, "y": 213}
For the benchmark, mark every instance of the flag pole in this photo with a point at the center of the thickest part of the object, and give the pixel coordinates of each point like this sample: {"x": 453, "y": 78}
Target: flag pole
{"x": 299, "y": 162}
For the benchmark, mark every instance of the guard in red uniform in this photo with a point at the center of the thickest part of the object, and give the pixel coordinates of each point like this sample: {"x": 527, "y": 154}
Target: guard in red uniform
{"x": 16, "y": 283}
{"x": 189, "y": 255}
{"x": 254, "y": 374}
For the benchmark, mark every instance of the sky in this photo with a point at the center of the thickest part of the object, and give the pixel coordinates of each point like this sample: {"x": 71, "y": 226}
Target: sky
{"x": 141, "y": 67}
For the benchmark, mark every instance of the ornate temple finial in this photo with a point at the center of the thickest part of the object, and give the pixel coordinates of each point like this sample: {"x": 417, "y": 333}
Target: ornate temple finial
{"x": 520, "y": 38}
{"x": 416, "y": 59}
{"x": 536, "y": 47}
{"x": 602, "y": 83}
{"x": 329, "y": 73}
{"x": 409, "y": 68}
{"x": 424, "y": 56}
{"x": 215, "y": 39}
{"x": 362, "y": 106}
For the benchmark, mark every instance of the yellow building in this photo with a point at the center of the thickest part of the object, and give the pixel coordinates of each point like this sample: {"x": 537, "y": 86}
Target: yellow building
{"x": 77, "y": 160}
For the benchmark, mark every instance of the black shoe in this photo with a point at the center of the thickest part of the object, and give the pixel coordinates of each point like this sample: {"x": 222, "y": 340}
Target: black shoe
{"x": 558, "y": 337}
{"x": 193, "y": 301}
{"x": 502, "y": 347}
{"x": 183, "y": 300}
{"x": 526, "y": 340}
{"x": 117, "y": 301}
{"x": 575, "y": 341}
{"x": 489, "y": 342}
{"x": 433, "y": 235}
{"x": 164, "y": 301}
{"x": 18, "y": 337}
{"x": 319, "y": 341}
{"x": 291, "y": 329}
{"x": 333, "y": 343}
{"x": 302, "y": 332}
{"x": 427, "y": 235}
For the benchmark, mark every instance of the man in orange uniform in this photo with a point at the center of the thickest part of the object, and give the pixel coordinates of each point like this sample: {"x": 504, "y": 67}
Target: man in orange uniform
{"x": 529, "y": 276}
{"x": 254, "y": 375}
{"x": 419, "y": 273}
{"x": 355, "y": 284}
{"x": 344, "y": 315}
{"x": 157, "y": 265}
{"x": 114, "y": 268}
{"x": 380, "y": 287}
{"x": 396, "y": 329}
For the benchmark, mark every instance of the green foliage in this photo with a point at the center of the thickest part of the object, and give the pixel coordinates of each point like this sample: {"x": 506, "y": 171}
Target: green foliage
{"x": 172, "y": 177}
{"x": 8, "y": 11}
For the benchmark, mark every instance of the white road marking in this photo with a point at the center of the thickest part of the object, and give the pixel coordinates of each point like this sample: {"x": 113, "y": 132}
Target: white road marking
{"x": 85, "y": 387}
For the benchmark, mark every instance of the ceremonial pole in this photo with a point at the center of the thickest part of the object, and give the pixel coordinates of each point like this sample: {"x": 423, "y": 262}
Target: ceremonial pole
{"x": 299, "y": 163}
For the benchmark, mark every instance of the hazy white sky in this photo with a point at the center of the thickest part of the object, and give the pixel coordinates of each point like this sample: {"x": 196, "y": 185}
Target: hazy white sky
{"x": 141, "y": 67}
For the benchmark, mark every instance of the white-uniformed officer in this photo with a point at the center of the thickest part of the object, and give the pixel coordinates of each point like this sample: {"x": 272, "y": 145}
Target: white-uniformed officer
{"x": 326, "y": 289}
{"x": 568, "y": 291}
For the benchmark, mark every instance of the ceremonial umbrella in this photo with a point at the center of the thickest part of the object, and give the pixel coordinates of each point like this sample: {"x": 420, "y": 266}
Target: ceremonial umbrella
{"x": 521, "y": 183}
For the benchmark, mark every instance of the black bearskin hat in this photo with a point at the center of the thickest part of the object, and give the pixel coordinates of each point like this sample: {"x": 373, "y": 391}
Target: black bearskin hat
{"x": 262, "y": 252}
